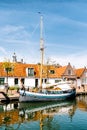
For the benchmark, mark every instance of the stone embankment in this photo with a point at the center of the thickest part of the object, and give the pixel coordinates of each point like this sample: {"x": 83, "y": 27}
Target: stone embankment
{"x": 12, "y": 94}
{"x": 81, "y": 90}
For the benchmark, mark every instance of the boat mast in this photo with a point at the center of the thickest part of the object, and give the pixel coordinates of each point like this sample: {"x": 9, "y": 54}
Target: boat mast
{"x": 41, "y": 49}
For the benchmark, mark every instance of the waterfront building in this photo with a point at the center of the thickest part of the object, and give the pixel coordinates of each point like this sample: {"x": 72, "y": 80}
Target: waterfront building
{"x": 81, "y": 76}
{"x": 29, "y": 74}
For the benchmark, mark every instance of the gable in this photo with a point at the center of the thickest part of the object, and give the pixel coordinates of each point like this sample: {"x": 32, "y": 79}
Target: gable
{"x": 66, "y": 72}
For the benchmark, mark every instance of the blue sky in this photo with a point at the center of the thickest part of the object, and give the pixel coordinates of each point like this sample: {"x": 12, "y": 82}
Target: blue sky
{"x": 64, "y": 30}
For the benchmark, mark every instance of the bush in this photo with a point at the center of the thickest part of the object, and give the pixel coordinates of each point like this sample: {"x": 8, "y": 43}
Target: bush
{"x": 13, "y": 87}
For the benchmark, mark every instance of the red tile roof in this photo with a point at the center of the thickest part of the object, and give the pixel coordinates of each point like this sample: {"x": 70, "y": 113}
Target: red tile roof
{"x": 79, "y": 72}
{"x": 20, "y": 70}
{"x": 60, "y": 71}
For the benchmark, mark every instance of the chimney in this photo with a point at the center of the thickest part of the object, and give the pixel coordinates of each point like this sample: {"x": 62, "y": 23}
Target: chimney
{"x": 14, "y": 57}
{"x": 21, "y": 60}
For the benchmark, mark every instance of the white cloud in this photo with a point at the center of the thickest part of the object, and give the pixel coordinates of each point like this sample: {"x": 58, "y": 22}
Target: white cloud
{"x": 9, "y": 28}
{"x": 78, "y": 60}
{"x": 67, "y": 20}
{"x": 13, "y": 33}
{"x": 2, "y": 50}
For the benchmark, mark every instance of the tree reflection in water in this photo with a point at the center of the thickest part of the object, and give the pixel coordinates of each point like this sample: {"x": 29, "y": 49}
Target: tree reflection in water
{"x": 8, "y": 117}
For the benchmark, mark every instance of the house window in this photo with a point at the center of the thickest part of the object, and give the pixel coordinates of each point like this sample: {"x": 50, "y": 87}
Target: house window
{"x": 45, "y": 81}
{"x": 30, "y": 71}
{"x": 83, "y": 80}
{"x": 86, "y": 74}
{"x": 52, "y": 71}
{"x": 42, "y": 80}
{"x": 86, "y": 80}
{"x": 2, "y": 81}
{"x": 56, "y": 81}
{"x": 69, "y": 72}
{"x": 16, "y": 81}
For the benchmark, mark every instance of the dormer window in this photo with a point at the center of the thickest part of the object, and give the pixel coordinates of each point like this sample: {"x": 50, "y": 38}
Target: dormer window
{"x": 30, "y": 71}
{"x": 51, "y": 71}
{"x": 69, "y": 72}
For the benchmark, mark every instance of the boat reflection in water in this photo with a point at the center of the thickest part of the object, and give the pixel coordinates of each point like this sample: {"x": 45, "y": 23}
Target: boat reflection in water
{"x": 31, "y": 115}
{"x": 45, "y": 112}
{"x": 40, "y": 116}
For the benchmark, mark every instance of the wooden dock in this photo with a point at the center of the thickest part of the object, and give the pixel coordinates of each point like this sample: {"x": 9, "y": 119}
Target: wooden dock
{"x": 12, "y": 99}
{"x": 81, "y": 90}
{"x": 11, "y": 96}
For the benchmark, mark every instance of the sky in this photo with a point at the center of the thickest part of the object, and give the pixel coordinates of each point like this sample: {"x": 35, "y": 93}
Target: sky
{"x": 64, "y": 31}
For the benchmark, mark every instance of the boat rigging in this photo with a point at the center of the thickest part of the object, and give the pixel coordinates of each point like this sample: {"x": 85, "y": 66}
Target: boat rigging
{"x": 56, "y": 92}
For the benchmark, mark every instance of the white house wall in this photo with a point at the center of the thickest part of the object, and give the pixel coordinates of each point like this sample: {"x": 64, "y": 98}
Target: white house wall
{"x": 84, "y": 78}
{"x": 78, "y": 83}
{"x": 52, "y": 81}
{"x": 29, "y": 82}
{"x": 10, "y": 81}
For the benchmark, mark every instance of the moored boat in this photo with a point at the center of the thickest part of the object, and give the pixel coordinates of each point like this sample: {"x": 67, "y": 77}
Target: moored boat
{"x": 59, "y": 92}
{"x": 51, "y": 92}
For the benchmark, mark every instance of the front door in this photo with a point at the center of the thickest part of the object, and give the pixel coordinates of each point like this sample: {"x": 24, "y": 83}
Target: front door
{"x": 36, "y": 82}
{"x": 22, "y": 80}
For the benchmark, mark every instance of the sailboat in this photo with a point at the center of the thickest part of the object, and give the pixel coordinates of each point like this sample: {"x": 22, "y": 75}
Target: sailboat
{"x": 59, "y": 91}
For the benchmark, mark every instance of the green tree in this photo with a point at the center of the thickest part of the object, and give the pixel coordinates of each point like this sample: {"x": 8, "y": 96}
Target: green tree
{"x": 8, "y": 67}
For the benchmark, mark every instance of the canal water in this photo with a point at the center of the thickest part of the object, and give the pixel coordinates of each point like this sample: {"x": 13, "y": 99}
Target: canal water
{"x": 67, "y": 115}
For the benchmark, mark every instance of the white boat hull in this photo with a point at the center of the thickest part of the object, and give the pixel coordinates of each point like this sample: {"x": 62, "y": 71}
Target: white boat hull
{"x": 26, "y": 96}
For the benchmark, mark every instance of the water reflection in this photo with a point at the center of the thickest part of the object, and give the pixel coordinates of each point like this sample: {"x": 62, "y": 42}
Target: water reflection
{"x": 44, "y": 112}
{"x": 39, "y": 116}
{"x": 82, "y": 102}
